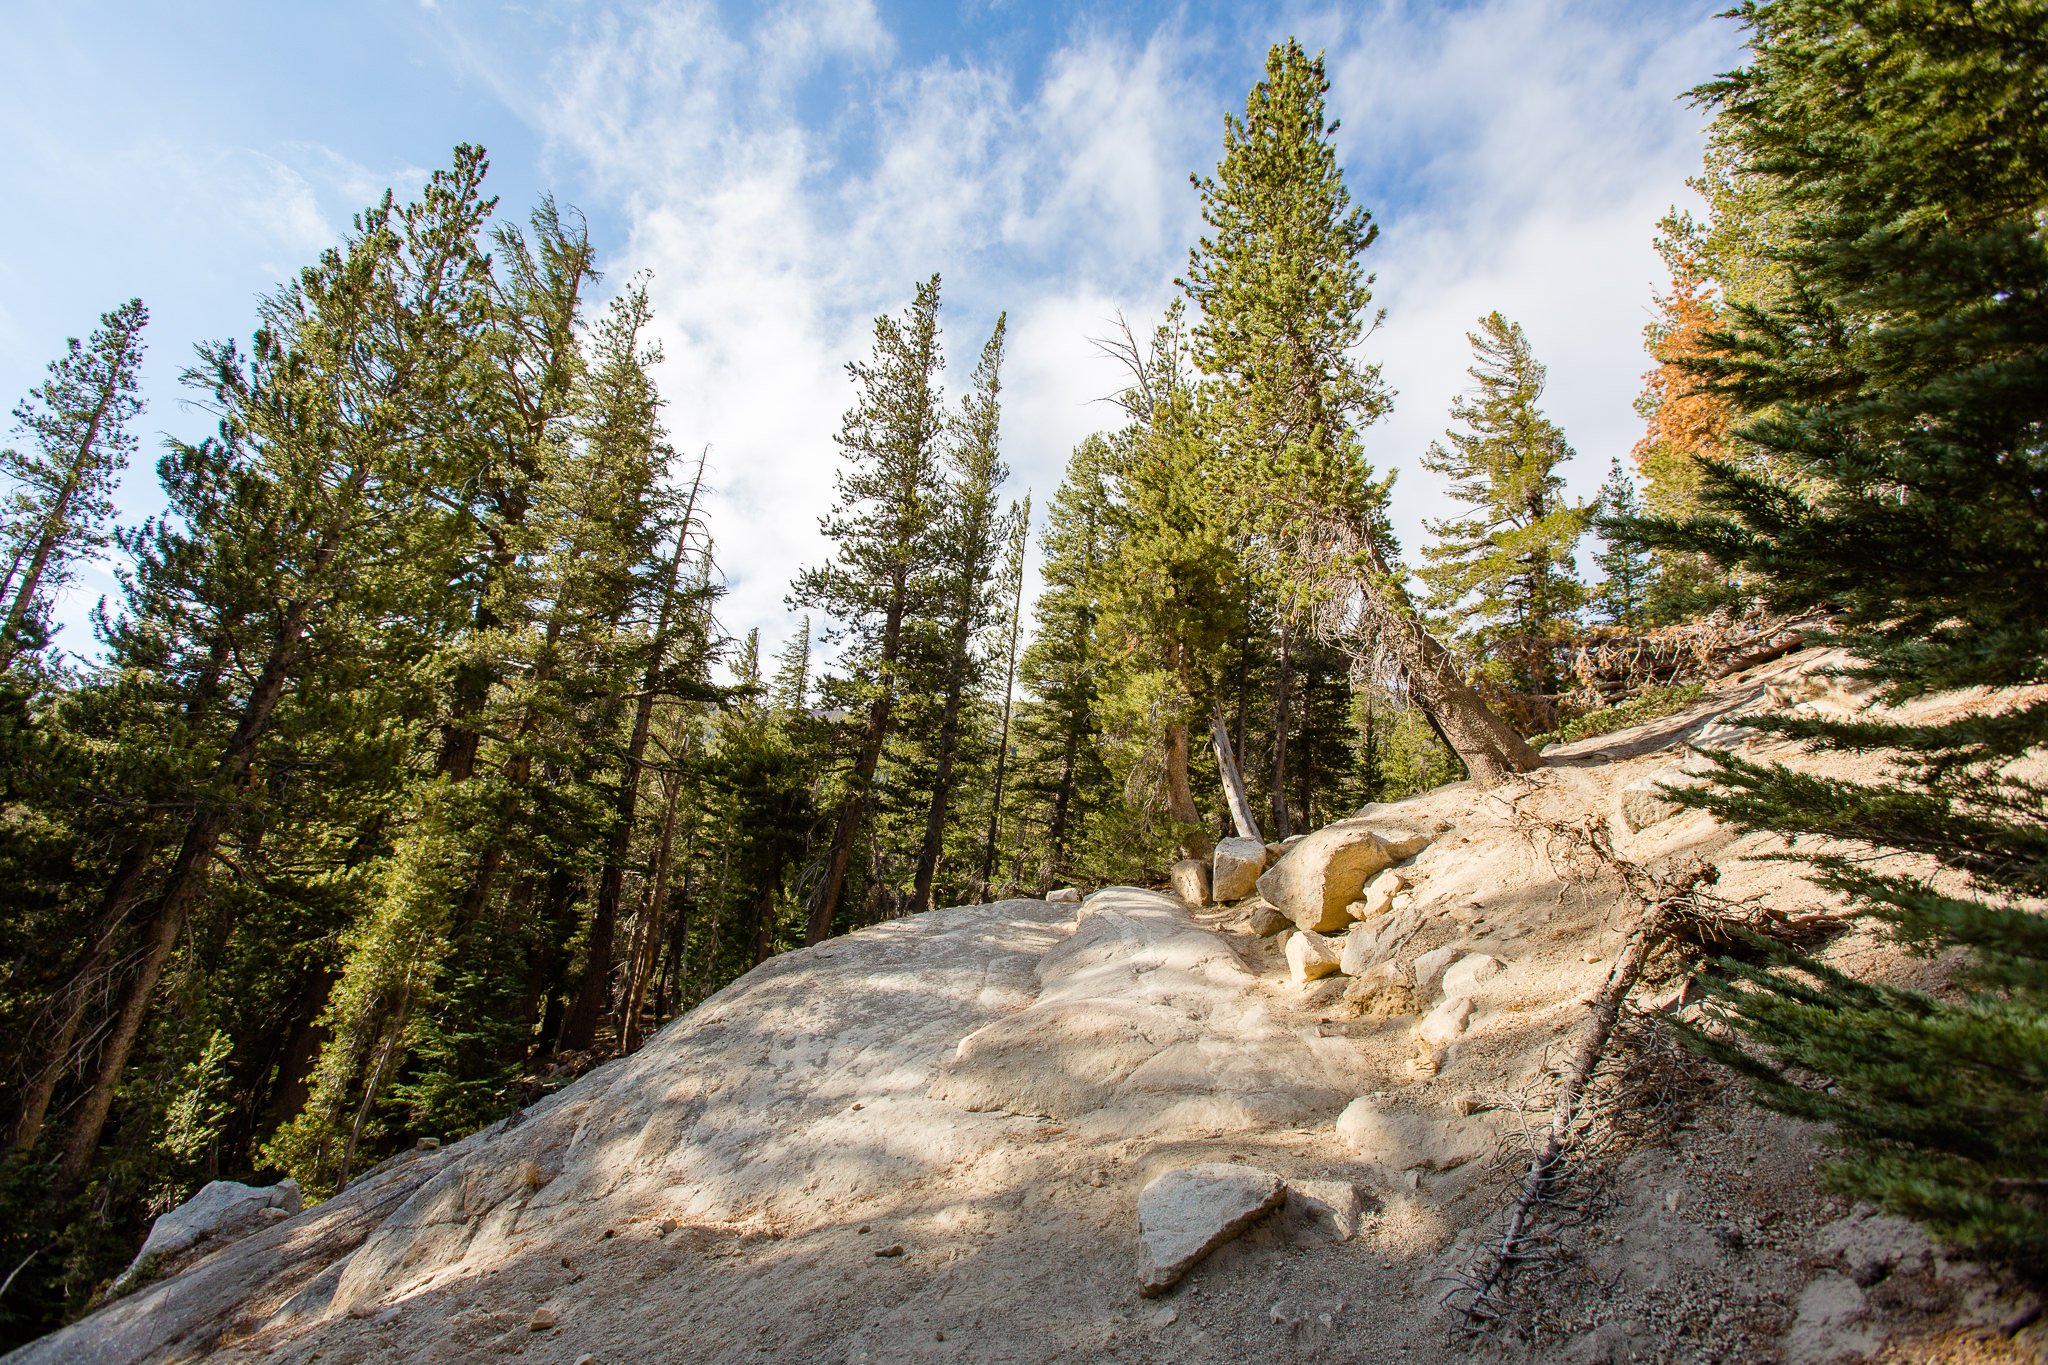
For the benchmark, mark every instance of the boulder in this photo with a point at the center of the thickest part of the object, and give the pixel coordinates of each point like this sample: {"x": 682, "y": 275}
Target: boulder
{"x": 1265, "y": 921}
{"x": 1318, "y": 877}
{"x": 221, "y": 1212}
{"x": 1190, "y": 877}
{"x": 1430, "y": 963}
{"x": 1402, "y": 1140}
{"x": 1446, "y": 1021}
{"x": 1310, "y": 956}
{"x": 1468, "y": 974}
{"x": 1185, "y": 1214}
{"x": 1236, "y": 868}
{"x": 1273, "y": 852}
{"x": 1643, "y": 802}
{"x": 1066, "y": 895}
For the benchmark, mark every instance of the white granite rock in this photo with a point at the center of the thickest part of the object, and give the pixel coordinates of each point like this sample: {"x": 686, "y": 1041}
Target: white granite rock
{"x": 1446, "y": 1021}
{"x": 1430, "y": 963}
{"x": 220, "y": 1212}
{"x": 1468, "y": 974}
{"x": 1326, "y": 871}
{"x": 1066, "y": 895}
{"x": 1235, "y": 869}
{"x": 1190, "y": 877}
{"x": 1310, "y": 955}
{"x": 1185, "y": 1214}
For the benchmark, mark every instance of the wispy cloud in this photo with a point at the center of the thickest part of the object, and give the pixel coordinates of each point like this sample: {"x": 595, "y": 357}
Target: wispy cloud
{"x": 1517, "y": 153}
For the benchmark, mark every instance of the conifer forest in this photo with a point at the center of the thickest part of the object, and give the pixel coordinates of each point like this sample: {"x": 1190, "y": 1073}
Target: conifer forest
{"x": 417, "y": 766}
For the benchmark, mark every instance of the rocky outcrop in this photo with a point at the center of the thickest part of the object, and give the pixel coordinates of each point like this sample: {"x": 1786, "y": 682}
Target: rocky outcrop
{"x": 1143, "y": 1021}
{"x": 221, "y": 1212}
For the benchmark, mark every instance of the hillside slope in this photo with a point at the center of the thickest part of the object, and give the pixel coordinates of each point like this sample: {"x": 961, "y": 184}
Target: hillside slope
{"x": 927, "y": 1141}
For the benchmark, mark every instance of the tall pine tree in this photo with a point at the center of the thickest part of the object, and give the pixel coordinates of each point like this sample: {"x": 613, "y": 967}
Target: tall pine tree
{"x": 1894, "y": 389}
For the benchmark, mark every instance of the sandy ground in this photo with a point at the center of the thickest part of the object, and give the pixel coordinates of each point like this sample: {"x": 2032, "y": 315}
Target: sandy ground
{"x": 812, "y": 1167}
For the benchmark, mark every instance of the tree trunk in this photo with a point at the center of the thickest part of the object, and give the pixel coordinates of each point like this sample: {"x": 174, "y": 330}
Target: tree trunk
{"x": 582, "y": 1027}
{"x": 942, "y": 778}
{"x": 1062, "y": 801}
{"x": 187, "y": 872}
{"x": 114, "y": 907}
{"x": 657, "y": 911}
{"x": 1283, "y": 824}
{"x": 995, "y": 810}
{"x": 1487, "y": 745}
{"x": 1233, "y": 783}
{"x": 1180, "y": 796}
{"x": 847, "y": 832}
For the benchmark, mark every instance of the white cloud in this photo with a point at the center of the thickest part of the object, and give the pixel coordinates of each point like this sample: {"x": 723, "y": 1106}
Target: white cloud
{"x": 1516, "y": 153}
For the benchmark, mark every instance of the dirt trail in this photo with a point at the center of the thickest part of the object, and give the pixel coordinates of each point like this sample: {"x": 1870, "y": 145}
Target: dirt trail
{"x": 926, "y": 1141}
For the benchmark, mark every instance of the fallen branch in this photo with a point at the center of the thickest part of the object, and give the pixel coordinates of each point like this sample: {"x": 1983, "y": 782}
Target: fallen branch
{"x": 1545, "y": 1166}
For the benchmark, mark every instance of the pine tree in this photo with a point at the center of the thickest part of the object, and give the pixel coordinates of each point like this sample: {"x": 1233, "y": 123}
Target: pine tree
{"x": 972, "y": 534}
{"x": 1892, "y": 390}
{"x": 1284, "y": 304}
{"x": 62, "y": 493}
{"x": 1059, "y": 775}
{"x": 1171, "y": 592}
{"x": 1504, "y": 574}
{"x": 791, "y": 686}
{"x": 1009, "y": 588}
{"x": 889, "y": 494}
{"x": 1628, "y": 577}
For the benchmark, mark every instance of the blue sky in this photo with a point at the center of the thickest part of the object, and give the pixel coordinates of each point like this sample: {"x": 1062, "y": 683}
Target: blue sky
{"x": 787, "y": 170}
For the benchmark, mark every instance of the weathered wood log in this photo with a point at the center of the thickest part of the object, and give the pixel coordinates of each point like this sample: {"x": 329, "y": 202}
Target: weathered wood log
{"x": 1233, "y": 782}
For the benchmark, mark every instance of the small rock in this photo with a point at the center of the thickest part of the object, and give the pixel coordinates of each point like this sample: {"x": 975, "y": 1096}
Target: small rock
{"x": 1190, "y": 878}
{"x": 1165, "y": 1317}
{"x": 1446, "y": 1021}
{"x": 1643, "y": 801}
{"x": 1235, "y": 869}
{"x": 1379, "y": 893}
{"x": 1266, "y": 921}
{"x": 586, "y": 1359}
{"x": 542, "y": 1319}
{"x": 427, "y": 1144}
{"x": 1470, "y": 973}
{"x": 895, "y": 1249}
{"x": 1430, "y": 963}
{"x": 1065, "y": 895}
{"x": 1185, "y": 1214}
{"x": 1402, "y": 1140}
{"x": 1358, "y": 943}
{"x": 1336, "y": 1205}
{"x": 1381, "y": 990}
{"x": 1325, "y": 993}
{"x": 1311, "y": 956}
